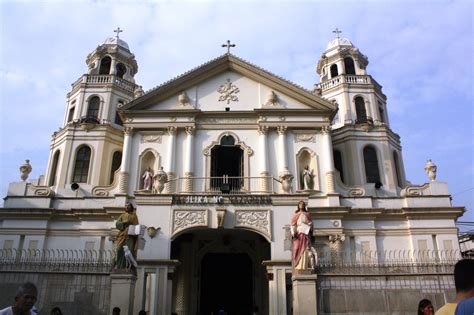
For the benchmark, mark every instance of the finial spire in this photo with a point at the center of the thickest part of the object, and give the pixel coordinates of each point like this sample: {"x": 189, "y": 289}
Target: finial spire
{"x": 228, "y": 45}
{"x": 337, "y": 32}
{"x": 118, "y": 31}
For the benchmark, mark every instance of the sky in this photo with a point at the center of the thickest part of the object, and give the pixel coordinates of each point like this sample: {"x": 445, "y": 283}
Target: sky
{"x": 421, "y": 52}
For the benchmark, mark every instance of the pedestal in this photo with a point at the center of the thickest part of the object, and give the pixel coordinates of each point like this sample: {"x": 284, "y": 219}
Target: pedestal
{"x": 122, "y": 292}
{"x": 304, "y": 295}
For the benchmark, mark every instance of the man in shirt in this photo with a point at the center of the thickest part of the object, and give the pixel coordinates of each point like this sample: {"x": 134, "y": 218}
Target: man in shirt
{"x": 464, "y": 282}
{"x": 25, "y": 298}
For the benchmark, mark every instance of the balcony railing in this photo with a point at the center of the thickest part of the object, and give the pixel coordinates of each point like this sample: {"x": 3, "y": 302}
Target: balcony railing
{"x": 223, "y": 185}
{"x": 351, "y": 79}
{"x": 105, "y": 79}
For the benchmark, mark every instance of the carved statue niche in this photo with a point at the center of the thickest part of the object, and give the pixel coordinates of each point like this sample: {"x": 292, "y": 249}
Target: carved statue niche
{"x": 307, "y": 170}
{"x": 148, "y": 166}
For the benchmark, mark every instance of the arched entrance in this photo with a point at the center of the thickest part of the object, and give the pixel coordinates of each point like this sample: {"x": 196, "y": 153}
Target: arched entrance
{"x": 220, "y": 269}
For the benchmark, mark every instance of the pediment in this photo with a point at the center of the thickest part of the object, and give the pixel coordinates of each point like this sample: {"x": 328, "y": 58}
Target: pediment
{"x": 232, "y": 83}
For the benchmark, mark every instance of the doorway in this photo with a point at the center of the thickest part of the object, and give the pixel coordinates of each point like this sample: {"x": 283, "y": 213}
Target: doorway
{"x": 227, "y": 160}
{"x": 226, "y": 284}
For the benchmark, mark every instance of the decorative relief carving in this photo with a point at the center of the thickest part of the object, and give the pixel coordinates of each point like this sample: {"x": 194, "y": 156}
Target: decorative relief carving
{"x": 128, "y": 131}
{"x": 184, "y": 219}
{"x": 183, "y": 99}
{"x": 326, "y": 130}
{"x": 228, "y": 91}
{"x": 282, "y": 130}
{"x": 272, "y": 99}
{"x": 151, "y": 138}
{"x": 43, "y": 191}
{"x": 172, "y": 130}
{"x": 414, "y": 190}
{"x": 356, "y": 192}
{"x": 190, "y": 130}
{"x": 255, "y": 219}
{"x": 262, "y": 130}
{"x": 305, "y": 137}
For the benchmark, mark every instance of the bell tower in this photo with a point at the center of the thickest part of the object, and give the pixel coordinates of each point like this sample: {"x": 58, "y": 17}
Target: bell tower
{"x": 366, "y": 151}
{"x": 87, "y": 150}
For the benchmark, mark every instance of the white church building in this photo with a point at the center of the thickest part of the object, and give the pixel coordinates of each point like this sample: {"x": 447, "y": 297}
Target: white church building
{"x": 215, "y": 161}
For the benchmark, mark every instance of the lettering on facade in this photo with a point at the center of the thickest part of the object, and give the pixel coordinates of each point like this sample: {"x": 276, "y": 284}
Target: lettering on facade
{"x": 219, "y": 200}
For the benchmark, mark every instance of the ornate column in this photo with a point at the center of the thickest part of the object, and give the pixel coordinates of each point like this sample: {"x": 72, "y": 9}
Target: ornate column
{"x": 284, "y": 173}
{"x": 328, "y": 160}
{"x": 124, "y": 168}
{"x": 112, "y": 66}
{"x": 262, "y": 145}
{"x": 169, "y": 162}
{"x": 188, "y": 159}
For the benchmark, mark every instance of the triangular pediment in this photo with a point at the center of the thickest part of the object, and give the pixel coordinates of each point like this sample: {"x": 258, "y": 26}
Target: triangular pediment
{"x": 229, "y": 81}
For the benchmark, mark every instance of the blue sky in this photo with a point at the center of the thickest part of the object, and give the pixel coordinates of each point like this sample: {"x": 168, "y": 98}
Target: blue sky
{"x": 421, "y": 52}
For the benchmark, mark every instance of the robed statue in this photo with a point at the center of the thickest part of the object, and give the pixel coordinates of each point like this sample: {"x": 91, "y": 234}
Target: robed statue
{"x": 123, "y": 238}
{"x": 307, "y": 181}
{"x": 303, "y": 254}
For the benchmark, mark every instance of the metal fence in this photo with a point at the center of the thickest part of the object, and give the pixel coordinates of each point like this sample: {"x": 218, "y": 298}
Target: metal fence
{"x": 77, "y": 281}
{"x": 56, "y": 260}
{"x": 388, "y": 282}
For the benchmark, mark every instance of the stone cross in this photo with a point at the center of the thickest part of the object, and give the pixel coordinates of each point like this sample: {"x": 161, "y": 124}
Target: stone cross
{"x": 337, "y": 32}
{"x": 228, "y": 45}
{"x": 118, "y": 31}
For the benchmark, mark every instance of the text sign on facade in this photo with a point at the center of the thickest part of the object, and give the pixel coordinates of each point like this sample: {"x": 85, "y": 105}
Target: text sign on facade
{"x": 219, "y": 200}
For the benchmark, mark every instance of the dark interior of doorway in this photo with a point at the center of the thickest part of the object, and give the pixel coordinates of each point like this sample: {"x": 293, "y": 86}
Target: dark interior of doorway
{"x": 226, "y": 160}
{"x": 226, "y": 283}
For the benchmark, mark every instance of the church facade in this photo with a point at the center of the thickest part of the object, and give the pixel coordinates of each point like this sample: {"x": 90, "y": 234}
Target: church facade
{"x": 215, "y": 162}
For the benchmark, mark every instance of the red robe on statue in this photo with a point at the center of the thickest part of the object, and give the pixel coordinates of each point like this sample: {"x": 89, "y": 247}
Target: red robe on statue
{"x": 301, "y": 241}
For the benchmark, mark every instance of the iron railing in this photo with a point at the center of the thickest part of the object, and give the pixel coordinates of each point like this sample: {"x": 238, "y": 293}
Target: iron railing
{"x": 56, "y": 260}
{"x": 223, "y": 185}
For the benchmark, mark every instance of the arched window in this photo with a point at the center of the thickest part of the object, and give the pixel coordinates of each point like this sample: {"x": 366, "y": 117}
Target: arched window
{"x": 371, "y": 165}
{"x": 93, "y": 109}
{"x": 334, "y": 72}
{"x": 397, "y": 169}
{"x": 116, "y": 161}
{"x": 338, "y": 163}
{"x": 105, "y": 65}
{"x": 360, "y": 110}
{"x": 349, "y": 65}
{"x": 54, "y": 167}
{"x": 381, "y": 112}
{"x": 81, "y": 167}
{"x": 121, "y": 70}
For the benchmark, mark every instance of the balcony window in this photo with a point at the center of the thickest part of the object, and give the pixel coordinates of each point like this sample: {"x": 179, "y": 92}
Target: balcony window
{"x": 349, "y": 65}
{"x": 105, "y": 65}
{"x": 121, "y": 70}
{"x": 334, "y": 72}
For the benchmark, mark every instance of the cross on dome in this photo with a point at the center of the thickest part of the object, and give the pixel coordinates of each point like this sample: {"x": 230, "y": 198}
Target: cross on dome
{"x": 228, "y": 45}
{"x": 118, "y": 31}
{"x": 337, "y": 32}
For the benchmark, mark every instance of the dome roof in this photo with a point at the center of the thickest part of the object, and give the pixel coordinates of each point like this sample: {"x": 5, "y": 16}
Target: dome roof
{"x": 339, "y": 41}
{"x": 116, "y": 41}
